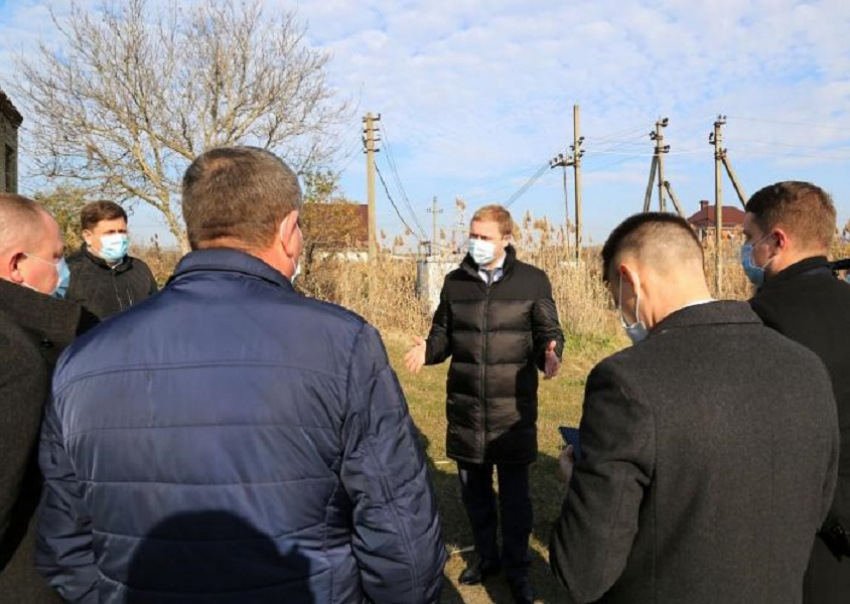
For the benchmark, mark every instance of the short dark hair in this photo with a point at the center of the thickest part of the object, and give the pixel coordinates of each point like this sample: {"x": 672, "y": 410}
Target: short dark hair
{"x": 94, "y": 212}
{"x": 636, "y": 233}
{"x": 238, "y": 193}
{"x": 805, "y": 210}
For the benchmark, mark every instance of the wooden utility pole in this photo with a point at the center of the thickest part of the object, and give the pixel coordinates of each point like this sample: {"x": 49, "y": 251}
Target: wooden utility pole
{"x": 577, "y": 153}
{"x": 657, "y": 167}
{"x": 566, "y": 213}
{"x": 660, "y": 150}
{"x": 434, "y": 211}
{"x": 369, "y": 141}
{"x": 742, "y": 197}
{"x": 563, "y": 162}
{"x": 716, "y": 139}
{"x": 574, "y": 160}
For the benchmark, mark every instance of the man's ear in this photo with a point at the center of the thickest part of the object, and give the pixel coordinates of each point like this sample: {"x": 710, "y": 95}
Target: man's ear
{"x": 15, "y": 274}
{"x": 88, "y": 237}
{"x": 286, "y": 233}
{"x": 629, "y": 276}
{"x": 782, "y": 241}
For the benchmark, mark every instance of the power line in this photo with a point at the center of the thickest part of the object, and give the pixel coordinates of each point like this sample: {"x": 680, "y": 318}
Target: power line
{"x": 395, "y": 207}
{"x": 787, "y": 123}
{"x": 397, "y": 179}
{"x": 527, "y": 185}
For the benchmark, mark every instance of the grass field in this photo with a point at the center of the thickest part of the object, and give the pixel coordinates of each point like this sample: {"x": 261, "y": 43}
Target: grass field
{"x": 560, "y": 404}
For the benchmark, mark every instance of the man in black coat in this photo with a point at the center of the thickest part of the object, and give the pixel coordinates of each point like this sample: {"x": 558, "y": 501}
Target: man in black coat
{"x": 497, "y": 321}
{"x": 104, "y": 277}
{"x": 34, "y": 328}
{"x": 789, "y": 227}
{"x": 710, "y": 447}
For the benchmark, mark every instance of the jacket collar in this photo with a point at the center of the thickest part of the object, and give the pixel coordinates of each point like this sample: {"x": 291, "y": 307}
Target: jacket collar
{"x": 711, "y": 313}
{"x": 98, "y": 261}
{"x": 229, "y": 260}
{"x": 49, "y": 318}
{"x": 815, "y": 263}
{"x": 469, "y": 265}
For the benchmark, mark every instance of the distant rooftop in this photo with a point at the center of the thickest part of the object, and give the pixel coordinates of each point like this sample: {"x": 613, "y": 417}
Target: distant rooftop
{"x": 706, "y": 218}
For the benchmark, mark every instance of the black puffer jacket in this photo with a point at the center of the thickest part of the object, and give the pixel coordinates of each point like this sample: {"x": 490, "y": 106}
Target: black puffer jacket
{"x": 107, "y": 290}
{"x": 497, "y": 337}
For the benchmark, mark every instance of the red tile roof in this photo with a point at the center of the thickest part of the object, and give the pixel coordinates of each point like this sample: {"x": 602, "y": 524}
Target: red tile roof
{"x": 705, "y": 218}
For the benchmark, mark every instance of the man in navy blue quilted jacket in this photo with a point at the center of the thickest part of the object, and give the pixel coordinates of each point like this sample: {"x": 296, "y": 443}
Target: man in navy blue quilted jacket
{"x": 230, "y": 440}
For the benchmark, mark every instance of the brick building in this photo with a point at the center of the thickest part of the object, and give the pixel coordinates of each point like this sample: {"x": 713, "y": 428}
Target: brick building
{"x": 10, "y": 121}
{"x": 704, "y": 222}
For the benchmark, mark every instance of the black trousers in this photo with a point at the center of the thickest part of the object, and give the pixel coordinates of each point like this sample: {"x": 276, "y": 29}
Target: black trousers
{"x": 479, "y": 499}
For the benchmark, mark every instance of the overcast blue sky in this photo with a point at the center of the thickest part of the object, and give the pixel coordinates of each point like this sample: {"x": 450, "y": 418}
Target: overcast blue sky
{"x": 476, "y": 95}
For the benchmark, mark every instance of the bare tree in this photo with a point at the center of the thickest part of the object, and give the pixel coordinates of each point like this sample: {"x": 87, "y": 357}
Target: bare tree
{"x": 131, "y": 94}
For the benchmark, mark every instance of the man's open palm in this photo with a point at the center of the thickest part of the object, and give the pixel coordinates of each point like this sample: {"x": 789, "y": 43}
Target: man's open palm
{"x": 552, "y": 362}
{"x": 415, "y": 357}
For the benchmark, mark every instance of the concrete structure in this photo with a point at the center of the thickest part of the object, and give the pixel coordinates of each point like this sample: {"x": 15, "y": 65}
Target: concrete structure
{"x": 10, "y": 121}
{"x": 430, "y": 274}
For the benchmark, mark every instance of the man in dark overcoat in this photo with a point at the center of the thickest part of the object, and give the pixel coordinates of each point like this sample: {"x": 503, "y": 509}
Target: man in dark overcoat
{"x": 710, "y": 447}
{"x": 789, "y": 228}
{"x": 35, "y": 326}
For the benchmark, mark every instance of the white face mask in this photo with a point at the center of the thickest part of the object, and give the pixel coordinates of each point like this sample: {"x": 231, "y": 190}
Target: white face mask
{"x": 636, "y": 331}
{"x": 483, "y": 252}
{"x": 296, "y": 270}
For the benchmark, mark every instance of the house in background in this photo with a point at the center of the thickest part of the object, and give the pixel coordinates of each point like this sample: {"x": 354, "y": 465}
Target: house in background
{"x": 10, "y": 121}
{"x": 704, "y": 222}
{"x": 337, "y": 228}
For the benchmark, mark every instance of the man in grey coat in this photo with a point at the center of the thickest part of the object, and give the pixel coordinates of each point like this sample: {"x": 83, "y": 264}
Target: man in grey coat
{"x": 710, "y": 447}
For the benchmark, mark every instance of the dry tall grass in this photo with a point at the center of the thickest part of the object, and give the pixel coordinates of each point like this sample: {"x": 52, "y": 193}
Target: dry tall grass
{"x": 384, "y": 292}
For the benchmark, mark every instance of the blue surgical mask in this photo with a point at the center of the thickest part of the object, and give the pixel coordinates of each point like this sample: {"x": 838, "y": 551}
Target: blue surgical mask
{"x": 636, "y": 331}
{"x": 114, "y": 247}
{"x": 754, "y": 272}
{"x": 483, "y": 252}
{"x": 63, "y": 276}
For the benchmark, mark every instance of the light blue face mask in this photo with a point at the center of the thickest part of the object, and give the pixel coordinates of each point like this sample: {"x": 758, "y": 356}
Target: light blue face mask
{"x": 636, "y": 331}
{"x": 114, "y": 247}
{"x": 754, "y": 272}
{"x": 483, "y": 252}
{"x": 63, "y": 276}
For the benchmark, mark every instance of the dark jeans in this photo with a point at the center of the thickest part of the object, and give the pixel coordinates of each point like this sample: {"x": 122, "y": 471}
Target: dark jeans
{"x": 479, "y": 499}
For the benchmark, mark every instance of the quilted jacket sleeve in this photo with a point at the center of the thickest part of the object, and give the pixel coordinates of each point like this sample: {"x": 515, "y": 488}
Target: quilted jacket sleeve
{"x": 545, "y": 325}
{"x": 439, "y": 343}
{"x": 64, "y": 554}
{"x": 396, "y": 529}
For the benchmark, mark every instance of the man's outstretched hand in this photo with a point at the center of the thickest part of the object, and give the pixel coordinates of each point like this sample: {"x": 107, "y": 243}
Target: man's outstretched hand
{"x": 552, "y": 363}
{"x": 415, "y": 357}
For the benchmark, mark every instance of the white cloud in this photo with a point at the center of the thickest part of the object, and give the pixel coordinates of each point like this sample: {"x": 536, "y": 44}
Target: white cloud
{"x": 473, "y": 92}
